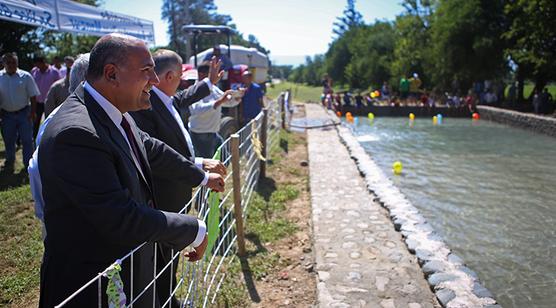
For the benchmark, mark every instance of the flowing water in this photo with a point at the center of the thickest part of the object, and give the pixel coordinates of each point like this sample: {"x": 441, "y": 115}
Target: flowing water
{"x": 488, "y": 189}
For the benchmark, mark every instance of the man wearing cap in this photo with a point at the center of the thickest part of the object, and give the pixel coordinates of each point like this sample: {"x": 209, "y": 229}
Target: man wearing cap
{"x": 252, "y": 101}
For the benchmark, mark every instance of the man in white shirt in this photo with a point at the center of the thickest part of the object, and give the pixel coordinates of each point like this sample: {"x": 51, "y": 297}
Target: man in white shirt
{"x": 205, "y": 115}
{"x": 18, "y": 93}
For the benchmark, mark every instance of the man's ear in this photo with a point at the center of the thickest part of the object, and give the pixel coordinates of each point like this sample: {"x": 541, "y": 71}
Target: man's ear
{"x": 168, "y": 76}
{"x": 111, "y": 73}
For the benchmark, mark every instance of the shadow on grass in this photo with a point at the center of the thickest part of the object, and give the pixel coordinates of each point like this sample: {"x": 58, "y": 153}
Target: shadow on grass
{"x": 254, "y": 238}
{"x": 284, "y": 145}
{"x": 266, "y": 187}
{"x": 10, "y": 179}
{"x": 249, "y": 280}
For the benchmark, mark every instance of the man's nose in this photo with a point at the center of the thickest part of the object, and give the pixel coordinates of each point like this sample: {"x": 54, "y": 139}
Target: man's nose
{"x": 153, "y": 78}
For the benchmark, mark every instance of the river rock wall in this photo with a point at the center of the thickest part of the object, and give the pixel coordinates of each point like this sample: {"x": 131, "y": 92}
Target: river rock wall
{"x": 540, "y": 124}
{"x": 454, "y": 284}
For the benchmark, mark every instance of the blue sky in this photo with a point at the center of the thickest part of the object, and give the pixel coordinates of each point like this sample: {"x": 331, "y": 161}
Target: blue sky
{"x": 290, "y": 29}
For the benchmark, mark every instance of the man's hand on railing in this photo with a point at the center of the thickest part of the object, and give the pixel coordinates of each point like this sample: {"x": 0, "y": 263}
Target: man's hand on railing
{"x": 215, "y": 182}
{"x": 199, "y": 251}
{"x": 214, "y": 166}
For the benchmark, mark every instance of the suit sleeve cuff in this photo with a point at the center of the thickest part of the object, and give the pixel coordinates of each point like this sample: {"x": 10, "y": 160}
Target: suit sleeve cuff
{"x": 209, "y": 84}
{"x": 199, "y": 162}
{"x": 201, "y": 232}
{"x": 206, "y": 179}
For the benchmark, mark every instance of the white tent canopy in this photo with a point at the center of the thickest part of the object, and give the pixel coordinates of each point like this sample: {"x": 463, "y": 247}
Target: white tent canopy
{"x": 70, "y": 16}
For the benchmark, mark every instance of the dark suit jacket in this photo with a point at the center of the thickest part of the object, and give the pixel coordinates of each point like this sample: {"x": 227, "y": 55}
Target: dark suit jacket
{"x": 159, "y": 123}
{"x": 96, "y": 203}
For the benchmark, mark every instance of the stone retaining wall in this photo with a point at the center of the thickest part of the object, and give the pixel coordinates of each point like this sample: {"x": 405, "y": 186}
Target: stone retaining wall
{"x": 539, "y": 124}
{"x": 454, "y": 284}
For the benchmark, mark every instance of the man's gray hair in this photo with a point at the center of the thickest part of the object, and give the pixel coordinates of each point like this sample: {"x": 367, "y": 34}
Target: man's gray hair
{"x": 165, "y": 60}
{"x": 78, "y": 71}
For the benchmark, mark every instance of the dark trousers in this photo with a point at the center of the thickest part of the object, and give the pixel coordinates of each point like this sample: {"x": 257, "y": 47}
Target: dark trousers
{"x": 16, "y": 124}
{"x": 205, "y": 144}
{"x": 38, "y": 115}
{"x": 163, "y": 288}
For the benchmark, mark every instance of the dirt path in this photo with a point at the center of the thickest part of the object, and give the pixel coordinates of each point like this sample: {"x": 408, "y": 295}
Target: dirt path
{"x": 292, "y": 282}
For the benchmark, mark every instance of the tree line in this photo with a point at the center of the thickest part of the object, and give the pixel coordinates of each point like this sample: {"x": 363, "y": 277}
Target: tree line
{"x": 450, "y": 43}
{"x": 30, "y": 42}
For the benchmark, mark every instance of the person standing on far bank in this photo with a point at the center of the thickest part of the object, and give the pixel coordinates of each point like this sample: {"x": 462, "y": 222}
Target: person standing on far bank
{"x": 252, "y": 101}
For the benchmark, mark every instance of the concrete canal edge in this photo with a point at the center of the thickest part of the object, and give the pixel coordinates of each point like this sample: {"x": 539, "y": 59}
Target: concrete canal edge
{"x": 540, "y": 124}
{"x": 454, "y": 284}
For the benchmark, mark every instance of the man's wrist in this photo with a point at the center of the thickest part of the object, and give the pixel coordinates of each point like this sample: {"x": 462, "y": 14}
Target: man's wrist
{"x": 201, "y": 232}
{"x": 206, "y": 179}
{"x": 199, "y": 162}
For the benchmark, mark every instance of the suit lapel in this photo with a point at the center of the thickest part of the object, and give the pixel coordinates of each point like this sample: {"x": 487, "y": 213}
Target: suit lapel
{"x": 159, "y": 107}
{"x": 114, "y": 132}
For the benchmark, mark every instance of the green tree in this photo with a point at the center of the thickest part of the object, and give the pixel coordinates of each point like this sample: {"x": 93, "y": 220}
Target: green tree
{"x": 351, "y": 19}
{"x": 531, "y": 38}
{"x": 371, "y": 48}
{"x": 338, "y": 57}
{"x": 412, "y": 40}
{"x": 466, "y": 42}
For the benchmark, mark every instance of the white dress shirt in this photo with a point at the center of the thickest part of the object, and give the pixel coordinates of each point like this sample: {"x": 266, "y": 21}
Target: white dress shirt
{"x": 205, "y": 118}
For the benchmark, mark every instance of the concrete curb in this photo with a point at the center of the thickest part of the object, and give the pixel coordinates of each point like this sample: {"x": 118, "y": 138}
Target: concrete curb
{"x": 454, "y": 284}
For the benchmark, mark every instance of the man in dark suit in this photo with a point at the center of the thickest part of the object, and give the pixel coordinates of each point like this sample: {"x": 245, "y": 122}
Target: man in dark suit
{"x": 97, "y": 167}
{"x": 164, "y": 122}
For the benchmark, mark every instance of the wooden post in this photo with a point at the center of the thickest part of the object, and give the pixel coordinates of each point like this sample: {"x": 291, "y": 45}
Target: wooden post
{"x": 282, "y": 100}
{"x": 264, "y": 128}
{"x": 238, "y": 210}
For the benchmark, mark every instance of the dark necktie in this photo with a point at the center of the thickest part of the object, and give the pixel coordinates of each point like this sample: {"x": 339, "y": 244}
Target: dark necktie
{"x": 132, "y": 142}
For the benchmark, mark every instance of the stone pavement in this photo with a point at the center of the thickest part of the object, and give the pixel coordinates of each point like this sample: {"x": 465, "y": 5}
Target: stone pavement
{"x": 361, "y": 260}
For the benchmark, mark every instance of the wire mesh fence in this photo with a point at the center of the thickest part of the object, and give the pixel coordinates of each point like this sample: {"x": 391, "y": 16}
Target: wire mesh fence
{"x": 197, "y": 284}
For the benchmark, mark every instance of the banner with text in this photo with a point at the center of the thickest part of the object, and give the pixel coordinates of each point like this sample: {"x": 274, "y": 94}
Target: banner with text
{"x": 70, "y": 16}
{"x": 41, "y": 13}
{"x": 77, "y": 17}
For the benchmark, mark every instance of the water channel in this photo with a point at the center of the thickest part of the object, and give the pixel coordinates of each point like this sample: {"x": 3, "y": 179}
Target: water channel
{"x": 488, "y": 189}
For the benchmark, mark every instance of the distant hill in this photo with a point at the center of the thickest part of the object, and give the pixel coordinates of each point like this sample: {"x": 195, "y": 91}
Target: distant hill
{"x": 287, "y": 60}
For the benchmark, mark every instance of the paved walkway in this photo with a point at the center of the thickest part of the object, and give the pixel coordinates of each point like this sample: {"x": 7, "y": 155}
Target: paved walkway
{"x": 360, "y": 259}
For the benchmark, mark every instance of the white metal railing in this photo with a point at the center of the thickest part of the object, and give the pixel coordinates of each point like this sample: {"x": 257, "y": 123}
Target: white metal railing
{"x": 197, "y": 283}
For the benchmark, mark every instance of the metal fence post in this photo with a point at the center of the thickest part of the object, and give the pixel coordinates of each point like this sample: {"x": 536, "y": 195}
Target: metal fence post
{"x": 238, "y": 210}
{"x": 264, "y": 134}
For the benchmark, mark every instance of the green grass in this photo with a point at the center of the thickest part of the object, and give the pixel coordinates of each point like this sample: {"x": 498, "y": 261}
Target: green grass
{"x": 265, "y": 224}
{"x": 21, "y": 245}
{"x": 528, "y": 88}
{"x": 300, "y": 92}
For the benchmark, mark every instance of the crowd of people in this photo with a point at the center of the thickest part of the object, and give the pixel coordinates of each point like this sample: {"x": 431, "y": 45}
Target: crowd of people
{"x": 411, "y": 93}
{"x": 116, "y": 158}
